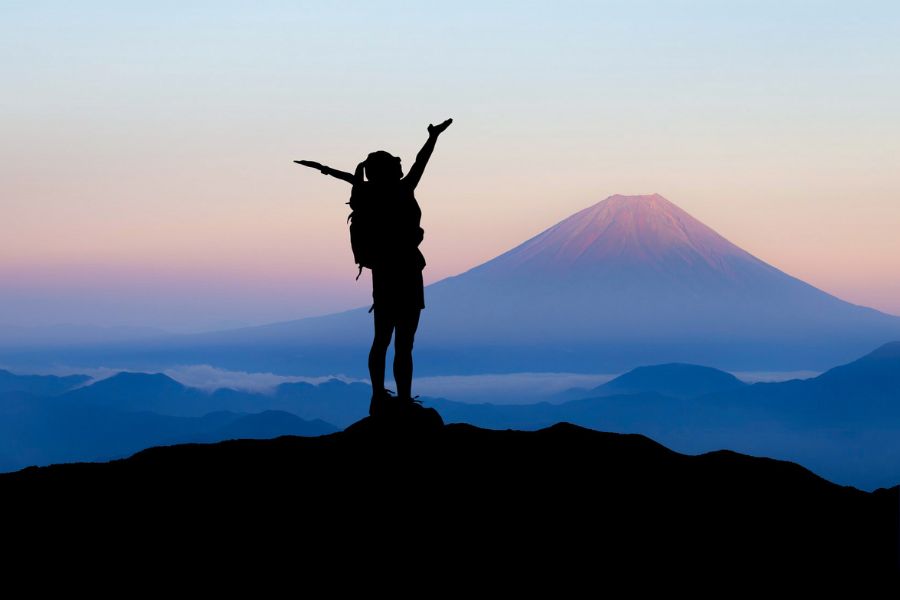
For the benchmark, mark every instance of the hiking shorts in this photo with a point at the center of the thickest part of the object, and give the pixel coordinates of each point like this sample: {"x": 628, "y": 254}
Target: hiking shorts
{"x": 398, "y": 289}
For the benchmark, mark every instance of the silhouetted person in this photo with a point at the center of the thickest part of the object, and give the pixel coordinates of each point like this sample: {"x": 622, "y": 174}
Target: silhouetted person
{"x": 397, "y": 288}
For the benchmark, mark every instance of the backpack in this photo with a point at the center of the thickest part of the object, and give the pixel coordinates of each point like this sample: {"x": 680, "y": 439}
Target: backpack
{"x": 364, "y": 226}
{"x": 370, "y": 234}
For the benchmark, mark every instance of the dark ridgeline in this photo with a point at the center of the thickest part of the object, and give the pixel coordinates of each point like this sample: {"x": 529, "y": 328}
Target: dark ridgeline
{"x": 385, "y": 235}
{"x": 563, "y": 505}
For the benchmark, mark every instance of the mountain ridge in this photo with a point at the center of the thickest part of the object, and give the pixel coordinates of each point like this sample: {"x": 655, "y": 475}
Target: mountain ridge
{"x": 843, "y": 424}
{"x": 644, "y": 226}
{"x": 630, "y": 280}
{"x": 672, "y": 379}
{"x": 652, "y": 507}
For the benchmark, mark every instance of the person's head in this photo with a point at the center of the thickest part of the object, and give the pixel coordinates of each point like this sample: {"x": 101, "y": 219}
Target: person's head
{"x": 383, "y": 166}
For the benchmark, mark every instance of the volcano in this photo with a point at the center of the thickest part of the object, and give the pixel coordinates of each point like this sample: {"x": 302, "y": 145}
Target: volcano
{"x": 629, "y": 281}
{"x": 635, "y": 280}
{"x": 626, "y": 235}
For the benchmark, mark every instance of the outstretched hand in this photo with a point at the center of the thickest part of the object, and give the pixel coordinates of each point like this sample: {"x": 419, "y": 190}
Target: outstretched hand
{"x": 312, "y": 164}
{"x": 438, "y": 129}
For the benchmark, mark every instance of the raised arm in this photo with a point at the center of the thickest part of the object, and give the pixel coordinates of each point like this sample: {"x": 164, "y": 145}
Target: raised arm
{"x": 343, "y": 175}
{"x": 418, "y": 168}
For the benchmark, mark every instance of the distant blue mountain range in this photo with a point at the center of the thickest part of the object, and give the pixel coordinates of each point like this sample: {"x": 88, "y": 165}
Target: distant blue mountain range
{"x": 41, "y": 385}
{"x": 843, "y": 424}
{"x": 333, "y": 401}
{"x": 677, "y": 380}
{"x": 42, "y": 423}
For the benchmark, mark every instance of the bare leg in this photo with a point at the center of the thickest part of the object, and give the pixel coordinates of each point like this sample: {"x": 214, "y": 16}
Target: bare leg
{"x": 384, "y": 327}
{"x": 406, "y": 323}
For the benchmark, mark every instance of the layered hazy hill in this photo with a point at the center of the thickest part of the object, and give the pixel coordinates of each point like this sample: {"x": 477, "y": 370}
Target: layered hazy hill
{"x": 843, "y": 424}
{"x": 47, "y": 419}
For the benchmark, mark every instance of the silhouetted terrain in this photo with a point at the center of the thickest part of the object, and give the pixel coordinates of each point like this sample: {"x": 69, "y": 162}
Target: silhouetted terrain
{"x": 562, "y": 504}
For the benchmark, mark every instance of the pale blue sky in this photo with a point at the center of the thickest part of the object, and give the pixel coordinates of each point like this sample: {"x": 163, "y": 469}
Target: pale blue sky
{"x": 145, "y": 156}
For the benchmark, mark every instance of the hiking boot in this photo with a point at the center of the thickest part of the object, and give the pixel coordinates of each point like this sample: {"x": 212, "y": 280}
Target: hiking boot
{"x": 406, "y": 404}
{"x": 381, "y": 403}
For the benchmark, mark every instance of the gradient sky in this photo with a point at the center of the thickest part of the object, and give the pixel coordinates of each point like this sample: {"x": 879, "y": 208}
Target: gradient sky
{"x": 145, "y": 159}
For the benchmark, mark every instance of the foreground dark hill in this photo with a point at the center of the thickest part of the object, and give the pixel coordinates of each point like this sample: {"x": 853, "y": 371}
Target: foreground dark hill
{"x": 564, "y": 501}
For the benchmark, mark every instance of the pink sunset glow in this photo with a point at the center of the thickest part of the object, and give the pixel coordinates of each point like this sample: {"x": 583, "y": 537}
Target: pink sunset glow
{"x": 149, "y": 183}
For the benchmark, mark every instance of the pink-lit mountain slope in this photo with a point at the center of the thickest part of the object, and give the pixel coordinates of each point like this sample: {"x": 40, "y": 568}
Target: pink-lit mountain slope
{"x": 636, "y": 239}
{"x": 629, "y": 281}
{"x": 639, "y": 277}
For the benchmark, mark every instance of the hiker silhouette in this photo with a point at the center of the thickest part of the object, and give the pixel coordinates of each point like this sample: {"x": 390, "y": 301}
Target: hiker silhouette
{"x": 385, "y": 233}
